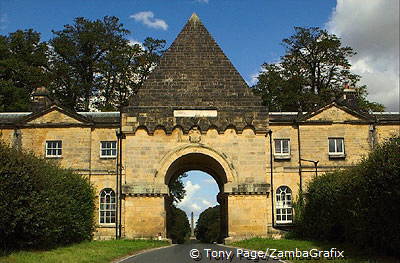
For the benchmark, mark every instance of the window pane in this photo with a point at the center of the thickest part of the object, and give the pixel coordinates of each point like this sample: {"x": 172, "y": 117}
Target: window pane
{"x": 285, "y": 146}
{"x": 339, "y": 145}
{"x": 278, "y": 217}
{"x": 278, "y": 146}
{"x": 331, "y": 145}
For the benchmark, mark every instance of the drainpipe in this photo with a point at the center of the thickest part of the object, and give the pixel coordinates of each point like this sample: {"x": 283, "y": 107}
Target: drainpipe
{"x": 272, "y": 180}
{"x": 116, "y": 186}
{"x": 120, "y": 172}
{"x": 299, "y": 147}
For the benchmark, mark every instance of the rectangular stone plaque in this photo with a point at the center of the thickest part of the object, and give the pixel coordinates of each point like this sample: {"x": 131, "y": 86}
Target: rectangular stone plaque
{"x": 195, "y": 113}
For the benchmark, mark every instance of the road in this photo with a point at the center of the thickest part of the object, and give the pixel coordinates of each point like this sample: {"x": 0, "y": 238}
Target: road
{"x": 202, "y": 253}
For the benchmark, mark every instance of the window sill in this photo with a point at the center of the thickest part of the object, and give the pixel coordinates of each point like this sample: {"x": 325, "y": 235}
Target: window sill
{"x": 106, "y": 225}
{"x": 108, "y": 157}
{"x": 284, "y": 223}
{"x": 337, "y": 156}
{"x": 282, "y": 157}
{"x": 53, "y": 157}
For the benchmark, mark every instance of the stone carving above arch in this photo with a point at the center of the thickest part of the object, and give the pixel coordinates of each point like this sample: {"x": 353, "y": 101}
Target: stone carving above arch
{"x": 194, "y": 135}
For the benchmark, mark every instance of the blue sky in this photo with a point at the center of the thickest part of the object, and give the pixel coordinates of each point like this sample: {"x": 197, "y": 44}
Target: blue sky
{"x": 249, "y": 32}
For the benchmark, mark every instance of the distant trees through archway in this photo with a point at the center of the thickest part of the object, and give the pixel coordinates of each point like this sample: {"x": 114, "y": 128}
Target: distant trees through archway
{"x": 197, "y": 192}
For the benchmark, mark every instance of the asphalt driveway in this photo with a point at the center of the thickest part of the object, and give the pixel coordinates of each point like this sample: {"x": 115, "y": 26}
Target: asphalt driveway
{"x": 194, "y": 251}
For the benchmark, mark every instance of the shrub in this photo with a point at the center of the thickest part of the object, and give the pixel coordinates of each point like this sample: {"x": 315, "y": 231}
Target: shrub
{"x": 359, "y": 205}
{"x": 178, "y": 225}
{"x": 41, "y": 204}
{"x": 208, "y": 227}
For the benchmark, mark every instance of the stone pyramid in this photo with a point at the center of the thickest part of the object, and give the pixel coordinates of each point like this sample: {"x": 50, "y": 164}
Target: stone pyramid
{"x": 194, "y": 72}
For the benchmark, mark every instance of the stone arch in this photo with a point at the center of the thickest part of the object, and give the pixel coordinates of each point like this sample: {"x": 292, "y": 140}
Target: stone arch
{"x": 197, "y": 157}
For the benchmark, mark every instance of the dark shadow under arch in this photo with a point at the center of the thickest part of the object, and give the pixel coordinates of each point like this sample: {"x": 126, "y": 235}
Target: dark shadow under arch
{"x": 197, "y": 161}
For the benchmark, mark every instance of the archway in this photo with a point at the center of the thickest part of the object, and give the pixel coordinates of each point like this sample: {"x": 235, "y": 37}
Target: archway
{"x": 196, "y": 161}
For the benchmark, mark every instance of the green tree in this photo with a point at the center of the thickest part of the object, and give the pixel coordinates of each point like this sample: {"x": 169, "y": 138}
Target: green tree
{"x": 95, "y": 67}
{"x": 41, "y": 204}
{"x": 123, "y": 71}
{"x": 358, "y": 205}
{"x": 177, "y": 189}
{"x": 208, "y": 226}
{"x": 78, "y": 51}
{"x": 311, "y": 74}
{"x": 178, "y": 226}
{"x": 23, "y": 67}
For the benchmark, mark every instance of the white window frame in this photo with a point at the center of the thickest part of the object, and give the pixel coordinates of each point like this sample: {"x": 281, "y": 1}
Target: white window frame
{"x": 110, "y": 149}
{"x": 336, "y": 153}
{"x": 107, "y": 207}
{"x": 284, "y": 206}
{"x": 281, "y": 155}
{"x": 57, "y": 149}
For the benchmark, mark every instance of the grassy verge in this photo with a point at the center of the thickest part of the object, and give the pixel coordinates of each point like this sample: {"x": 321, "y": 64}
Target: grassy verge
{"x": 94, "y": 251}
{"x": 351, "y": 254}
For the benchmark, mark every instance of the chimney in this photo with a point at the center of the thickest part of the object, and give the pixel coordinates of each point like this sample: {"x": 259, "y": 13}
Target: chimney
{"x": 349, "y": 95}
{"x": 40, "y": 99}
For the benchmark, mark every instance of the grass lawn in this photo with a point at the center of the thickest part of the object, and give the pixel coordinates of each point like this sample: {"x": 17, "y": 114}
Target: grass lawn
{"x": 351, "y": 254}
{"x": 94, "y": 251}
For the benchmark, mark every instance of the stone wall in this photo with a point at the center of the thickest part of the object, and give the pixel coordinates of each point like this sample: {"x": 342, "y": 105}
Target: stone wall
{"x": 239, "y": 161}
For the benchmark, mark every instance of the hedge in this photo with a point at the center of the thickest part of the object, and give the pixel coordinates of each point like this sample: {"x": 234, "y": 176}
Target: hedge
{"x": 41, "y": 204}
{"x": 359, "y": 205}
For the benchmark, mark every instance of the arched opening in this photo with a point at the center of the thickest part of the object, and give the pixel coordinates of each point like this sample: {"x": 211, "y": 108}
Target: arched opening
{"x": 200, "y": 167}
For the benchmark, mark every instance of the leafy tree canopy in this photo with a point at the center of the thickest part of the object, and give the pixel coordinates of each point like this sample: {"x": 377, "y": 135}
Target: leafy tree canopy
{"x": 178, "y": 225}
{"x": 23, "y": 67}
{"x": 41, "y": 204}
{"x": 208, "y": 226}
{"x": 348, "y": 205}
{"x": 312, "y": 73}
{"x": 177, "y": 189}
{"x": 88, "y": 65}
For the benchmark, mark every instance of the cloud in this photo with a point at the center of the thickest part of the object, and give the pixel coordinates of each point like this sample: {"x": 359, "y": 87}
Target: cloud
{"x": 206, "y": 203}
{"x": 191, "y": 189}
{"x": 254, "y": 77}
{"x": 133, "y": 42}
{"x": 209, "y": 181}
{"x": 372, "y": 29}
{"x": 147, "y": 18}
{"x": 195, "y": 207}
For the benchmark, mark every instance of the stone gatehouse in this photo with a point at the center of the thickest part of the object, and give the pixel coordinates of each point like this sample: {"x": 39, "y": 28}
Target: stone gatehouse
{"x": 195, "y": 112}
